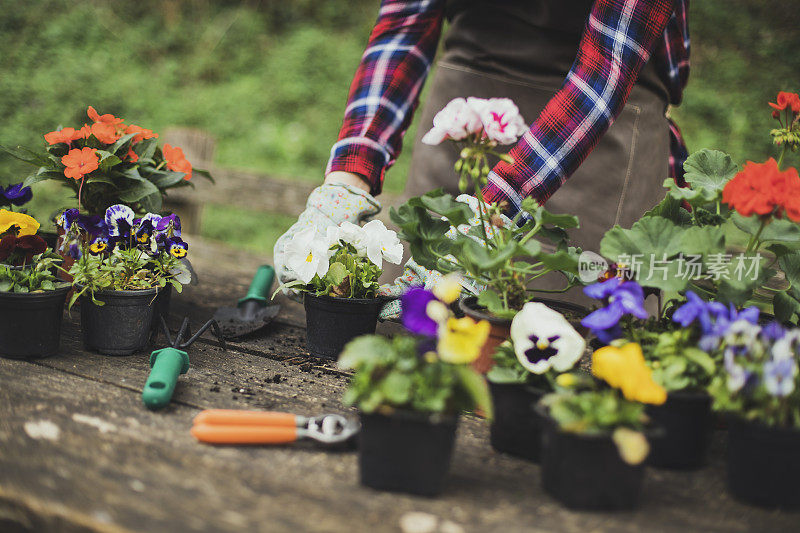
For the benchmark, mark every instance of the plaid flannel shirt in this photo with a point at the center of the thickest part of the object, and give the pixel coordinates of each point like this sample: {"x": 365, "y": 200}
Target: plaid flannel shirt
{"x": 619, "y": 38}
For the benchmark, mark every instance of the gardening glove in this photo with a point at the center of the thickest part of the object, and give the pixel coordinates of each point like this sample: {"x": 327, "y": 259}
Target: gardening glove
{"x": 415, "y": 275}
{"x": 328, "y": 205}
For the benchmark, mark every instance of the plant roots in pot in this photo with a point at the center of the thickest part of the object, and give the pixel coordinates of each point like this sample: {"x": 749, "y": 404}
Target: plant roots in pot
{"x": 687, "y": 423}
{"x": 587, "y": 472}
{"x": 30, "y": 323}
{"x": 764, "y": 464}
{"x": 333, "y": 322}
{"x": 120, "y": 327}
{"x": 405, "y": 452}
{"x": 517, "y": 427}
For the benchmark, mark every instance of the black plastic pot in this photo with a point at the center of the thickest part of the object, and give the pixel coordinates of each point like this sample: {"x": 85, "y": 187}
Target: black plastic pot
{"x": 764, "y": 464}
{"x": 120, "y": 327}
{"x": 517, "y": 426}
{"x": 405, "y": 452}
{"x": 586, "y": 471}
{"x": 687, "y": 424}
{"x": 163, "y": 301}
{"x": 30, "y": 323}
{"x": 333, "y": 322}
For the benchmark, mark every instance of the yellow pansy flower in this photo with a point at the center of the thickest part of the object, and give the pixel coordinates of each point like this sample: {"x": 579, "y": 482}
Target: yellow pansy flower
{"x": 27, "y": 224}
{"x": 461, "y": 339}
{"x": 624, "y": 368}
{"x": 448, "y": 288}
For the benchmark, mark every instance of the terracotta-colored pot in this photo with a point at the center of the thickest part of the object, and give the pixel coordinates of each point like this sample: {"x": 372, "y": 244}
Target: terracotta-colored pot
{"x": 499, "y": 332}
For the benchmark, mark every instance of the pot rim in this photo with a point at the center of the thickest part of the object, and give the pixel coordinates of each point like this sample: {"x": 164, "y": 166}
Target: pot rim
{"x": 325, "y": 297}
{"x": 139, "y": 292}
{"x": 62, "y": 287}
{"x": 758, "y": 424}
{"x": 649, "y": 431}
{"x": 465, "y": 303}
{"x": 689, "y": 394}
{"x": 413, "y": 416}
{"x": 526, "y": 386}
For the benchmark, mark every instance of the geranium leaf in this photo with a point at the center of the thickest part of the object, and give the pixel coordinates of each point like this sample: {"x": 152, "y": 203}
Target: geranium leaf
{"x": 779, "y": 230}
{"x": 785, "y": 306}
{"x": 703, "y": 240}
{"x": 670, "y": 208}
{"x": 709, "y": 171}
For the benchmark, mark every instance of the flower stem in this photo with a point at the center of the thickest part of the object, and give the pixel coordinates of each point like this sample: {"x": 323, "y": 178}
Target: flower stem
{"x": 80, "y": 191}
{"x": 754, "y": 239}
{"x": 783, "y": 153}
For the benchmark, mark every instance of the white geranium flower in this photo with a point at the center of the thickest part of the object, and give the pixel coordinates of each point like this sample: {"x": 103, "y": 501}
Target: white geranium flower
{"x": 308, "y": 255}
{"x": 381, "y": 243}
{"x": 501, "y": 119}
{"x": 455, "y": 121}
{"x": 544, "y": 339}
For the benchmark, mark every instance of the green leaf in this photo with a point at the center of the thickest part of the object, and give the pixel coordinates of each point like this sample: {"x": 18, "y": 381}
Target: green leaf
{"x": 670, "y": 208}
{"x": 651, "y": 235}
{"x": 530, "y": 249}
{"x": 107, "y": 160}
{"x": 705, "y": 240}
{"x": 363, "y": 349}
{"x": 480, "y": 259}
{"x": 42, "y": 175}
{"x": 475, "y": 387}
{"x": 137, "y": 190}
{"x": 122, "y": 144}
{"x": 205, "y": 173}
{"x": 152, "y": 202}
{"x": 707, "y": 172}
{"x": 785, "y": 306}
{"x": 166, "y": 179}
{"x": 396, "y": 387}
{"x": 701, "y": 359}
{"x": 491, "y": 301}
{"x": 444, "y": 204}
{"x": 27, "y": 155}
{"x": 565, "y": 261}
{"x": 145, "y": 148}
{"x": 779, "y": 230}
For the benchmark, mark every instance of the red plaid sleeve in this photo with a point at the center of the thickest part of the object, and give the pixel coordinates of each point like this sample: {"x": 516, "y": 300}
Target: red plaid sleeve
{"x": 618, "y": 39}
{"x": 386, "y": 87}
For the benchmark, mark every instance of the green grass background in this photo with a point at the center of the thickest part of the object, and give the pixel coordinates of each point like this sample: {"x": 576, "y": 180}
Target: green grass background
{"x": 269, "y": 80}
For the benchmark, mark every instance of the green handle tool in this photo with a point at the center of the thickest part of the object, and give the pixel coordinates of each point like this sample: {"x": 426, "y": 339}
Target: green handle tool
{"x": 166, "y": 365}
{"x": 251, "y": 312}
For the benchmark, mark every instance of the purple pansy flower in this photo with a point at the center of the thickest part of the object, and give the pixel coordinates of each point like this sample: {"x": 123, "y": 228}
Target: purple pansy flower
{"x": 715, "y": 319}
{"x": 176, "y": 247}
{"x": 779, "y": 376}
{"x": 620, "y": 298}
{"x": 119, "y": 220}
{"x": 170, "y": 225}
{"x": 773, "y": 331}
{"x": 414, "y": 305}
{"x": 16, "y": 194}
{"x": 66, "y": 218}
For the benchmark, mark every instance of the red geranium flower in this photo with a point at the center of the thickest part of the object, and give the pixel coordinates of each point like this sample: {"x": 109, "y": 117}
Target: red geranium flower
{"x": 176, "y": 161}
{"x": 80, "y": 162}
{"x": 761, "y": 188}
{"x": 784, "y": 100}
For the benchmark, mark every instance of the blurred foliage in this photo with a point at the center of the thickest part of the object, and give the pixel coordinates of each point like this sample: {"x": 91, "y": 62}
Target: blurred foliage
{"x": 269, "y": 78}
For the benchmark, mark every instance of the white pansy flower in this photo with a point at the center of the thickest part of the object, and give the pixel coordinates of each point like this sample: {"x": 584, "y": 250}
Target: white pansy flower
{"x": 332, "y": 236}
{"x": 501, "y": 119}
{"x": 455, "y": 121}
{"x": 381, "y": 243}
{"x": 307, "y": 255}
{"x": 543, "y": 339}
{"x": 353, "y": 234}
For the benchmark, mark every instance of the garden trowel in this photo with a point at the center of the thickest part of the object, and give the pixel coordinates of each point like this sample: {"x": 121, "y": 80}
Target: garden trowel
{"x": 252, "y": 311}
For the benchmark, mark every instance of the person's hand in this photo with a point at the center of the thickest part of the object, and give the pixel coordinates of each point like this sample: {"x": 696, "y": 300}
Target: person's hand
{"x": 415, "y": 275}
{"x": 328, "y": 205}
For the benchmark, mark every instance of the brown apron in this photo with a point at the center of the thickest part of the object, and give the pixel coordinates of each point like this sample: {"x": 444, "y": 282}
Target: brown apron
{"x": 523, "y": 49}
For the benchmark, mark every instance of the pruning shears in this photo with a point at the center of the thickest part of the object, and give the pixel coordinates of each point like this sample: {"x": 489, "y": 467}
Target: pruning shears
{"x": 231, "y": 426}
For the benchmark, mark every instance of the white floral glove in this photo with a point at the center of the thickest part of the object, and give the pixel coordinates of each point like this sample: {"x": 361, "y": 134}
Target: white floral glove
{"x": 415, "y": 275}
{"x": 327, "y": 206}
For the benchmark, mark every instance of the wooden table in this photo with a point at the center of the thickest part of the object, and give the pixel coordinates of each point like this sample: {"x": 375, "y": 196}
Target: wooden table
{"x": 79, "y": 451}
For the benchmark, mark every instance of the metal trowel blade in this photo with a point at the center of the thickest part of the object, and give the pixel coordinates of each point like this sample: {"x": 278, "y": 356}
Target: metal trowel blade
{"x": 233, "y": 323}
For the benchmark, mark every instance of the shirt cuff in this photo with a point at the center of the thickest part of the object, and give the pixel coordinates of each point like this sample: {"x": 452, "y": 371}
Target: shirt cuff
{"x": 498, "y": 191}
{"x": 361, "y": 156}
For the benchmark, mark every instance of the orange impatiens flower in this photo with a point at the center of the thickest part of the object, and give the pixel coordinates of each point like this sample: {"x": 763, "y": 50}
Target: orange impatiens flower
{"x": 64, "y": 135}
{"x": 132, "y": 157}
{"x": 80, "y": 162}
{"x": 105, "y": 133}
{"x": 762, "y": 189}
{"x": 107, "y": 118}
{"x": 143, "y": 133}
{"x": 176, "y": 161}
